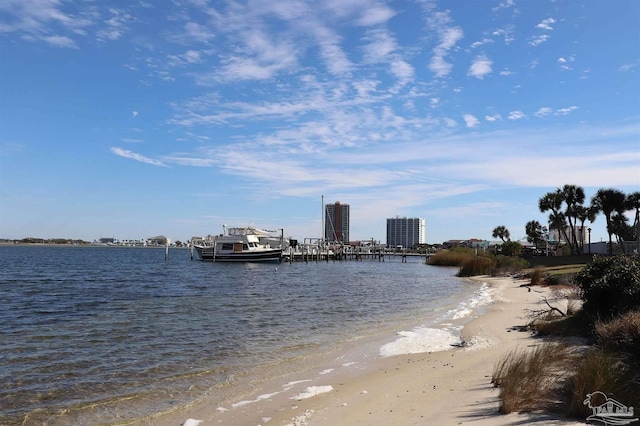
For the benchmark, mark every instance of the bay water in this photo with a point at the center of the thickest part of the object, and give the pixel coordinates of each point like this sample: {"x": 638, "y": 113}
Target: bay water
{"x": 109, "y": 335}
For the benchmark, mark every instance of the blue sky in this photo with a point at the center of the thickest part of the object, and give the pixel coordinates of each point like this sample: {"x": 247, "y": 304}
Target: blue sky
{"x": 138, "y": 118}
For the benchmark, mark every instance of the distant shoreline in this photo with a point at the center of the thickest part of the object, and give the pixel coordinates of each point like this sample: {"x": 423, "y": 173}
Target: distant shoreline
{"x": 5, "y": 243}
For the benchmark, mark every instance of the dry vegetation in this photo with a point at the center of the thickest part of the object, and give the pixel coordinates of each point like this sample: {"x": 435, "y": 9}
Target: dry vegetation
{"x": 558, "y": 377}
{"x": 531, "y": 380}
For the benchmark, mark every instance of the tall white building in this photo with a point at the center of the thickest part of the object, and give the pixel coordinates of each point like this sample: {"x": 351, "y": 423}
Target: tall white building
{"x": 406, "y": 232}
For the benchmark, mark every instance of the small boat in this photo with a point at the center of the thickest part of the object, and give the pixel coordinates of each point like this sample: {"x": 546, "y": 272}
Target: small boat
{"x": 246, "y": 244}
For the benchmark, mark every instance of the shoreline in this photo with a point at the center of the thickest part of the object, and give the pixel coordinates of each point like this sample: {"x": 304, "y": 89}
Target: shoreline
{"x": 449, "y": 387}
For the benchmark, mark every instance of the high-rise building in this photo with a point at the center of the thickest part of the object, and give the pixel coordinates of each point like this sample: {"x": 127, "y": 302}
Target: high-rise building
{"x": 406, "y": 232}
{"x": 336, "y": 222}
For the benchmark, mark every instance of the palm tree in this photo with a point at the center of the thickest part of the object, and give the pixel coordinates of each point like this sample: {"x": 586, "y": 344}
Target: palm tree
{"x": 534, "y": 232}
{"x": 557, "y": 220}
{"x": 633, "y": 203}
{"x": 607, "y": 201}
{"x": 502, "y": 233}
{"x": 583, "y": 214}
{"x": 573, "y": 196}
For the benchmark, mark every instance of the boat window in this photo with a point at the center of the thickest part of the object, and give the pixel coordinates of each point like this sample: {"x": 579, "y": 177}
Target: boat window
{"x": 245, "y": 247}
{"x": 227, "y": 246}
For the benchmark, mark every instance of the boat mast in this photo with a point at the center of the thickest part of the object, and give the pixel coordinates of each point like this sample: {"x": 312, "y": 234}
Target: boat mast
{"x": 322, "y": 234}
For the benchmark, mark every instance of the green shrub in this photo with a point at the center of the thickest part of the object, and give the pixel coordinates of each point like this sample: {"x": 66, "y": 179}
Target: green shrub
{"x": 511, "y": 248}
{"x": 509, "y": 264}
{"x": 610, "y": 285}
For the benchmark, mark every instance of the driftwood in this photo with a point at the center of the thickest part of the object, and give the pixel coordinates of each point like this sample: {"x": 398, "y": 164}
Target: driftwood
{"x": 541, "y": 312}
{"x": 553, "y": 308}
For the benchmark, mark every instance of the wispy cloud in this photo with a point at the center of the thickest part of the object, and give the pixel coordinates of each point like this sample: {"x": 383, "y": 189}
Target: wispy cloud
{"x": 198, "y": 32}
{"x": 135, "y": 156}
{"x": 546, "y": 24}
{"x": 565, "y": 111}
{"x": 507, "y": 33}
{"x": 516, "y": 115}
{"x": 375, "y": 14}
{"x": 543, "y": 112}
{"x": 448, "y": 36}
{"x": 505, "y": 4}
{"x": 537, "y": 40}
{"x": 60, "y": 41}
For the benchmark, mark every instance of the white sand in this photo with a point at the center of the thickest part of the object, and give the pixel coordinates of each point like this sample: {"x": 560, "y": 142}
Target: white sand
{"x": 450, "y": 387}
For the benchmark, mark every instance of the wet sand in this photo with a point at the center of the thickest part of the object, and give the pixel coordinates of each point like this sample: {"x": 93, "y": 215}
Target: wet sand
{"x": 451, "y": 387}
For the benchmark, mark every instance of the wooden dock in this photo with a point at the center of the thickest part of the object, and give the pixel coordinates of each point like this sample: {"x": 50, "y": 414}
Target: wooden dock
{"x": 316, "y": 253}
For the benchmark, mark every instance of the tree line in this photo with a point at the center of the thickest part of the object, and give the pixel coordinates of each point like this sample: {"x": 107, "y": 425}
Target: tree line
{"x": 568, "y": 214}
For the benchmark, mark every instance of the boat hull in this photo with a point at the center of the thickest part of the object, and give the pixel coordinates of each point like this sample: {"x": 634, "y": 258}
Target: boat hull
{"x": 207, "y": 254}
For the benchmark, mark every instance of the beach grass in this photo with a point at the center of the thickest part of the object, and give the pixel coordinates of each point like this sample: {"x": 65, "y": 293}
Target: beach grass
{"x": 531, "y": 380}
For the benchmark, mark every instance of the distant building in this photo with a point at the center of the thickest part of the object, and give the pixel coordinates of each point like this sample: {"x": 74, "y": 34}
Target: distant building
{"x": 470, "y": 243}
{"x": 159, "y": 240}
{"x": 336, "y": 222}
{"x": 407, "y": 232}
{"x": 580, "y": 233}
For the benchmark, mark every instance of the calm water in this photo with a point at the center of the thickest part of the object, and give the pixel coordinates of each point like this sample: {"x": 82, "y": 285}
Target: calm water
{"x": 102, "y": 334}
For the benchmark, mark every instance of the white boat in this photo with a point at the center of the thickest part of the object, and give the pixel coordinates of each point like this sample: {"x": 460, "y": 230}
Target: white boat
{"x": 246, "y": 244}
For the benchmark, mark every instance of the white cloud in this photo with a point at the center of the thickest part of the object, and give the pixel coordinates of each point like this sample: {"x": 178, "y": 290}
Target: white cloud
{"x": 627, "y": 67}
{"x": 543, "y": 112}
{"x": 516, "y": 115}
{"x": 134, "y": 114}
{"x": 375, "y": 15}
{"x": 504, "y": 5}
{"x": 450, "y": 122}
{"x": 481, "y": 42}
{"x": 135, "y": 156}
{"x": 506, "y": 72}
{"x": 565, "y": 111}
{"x": 537, "y": 40}
{"x": 448, "y": 37}
{"x": 380, "y": 45}
{"x": 546, "y": 24}
{"x": 115, "y": 26}
{"x": 564, "y": 62}
{"x": 495, "y": 117}
{"x": 470, "y": 120}
{"x": 198, "y": 32}
{"x": 507, "y": 33}
{"x": 480, "y": 67}
{"x": 334, "y": 58}
{"x": 261, "y": 57}
{"x": 60, "y": 41}
{"x": 402, "y": 70}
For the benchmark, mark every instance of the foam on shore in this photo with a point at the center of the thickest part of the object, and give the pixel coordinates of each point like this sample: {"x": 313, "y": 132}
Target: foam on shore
{"x": 443, "y": 337}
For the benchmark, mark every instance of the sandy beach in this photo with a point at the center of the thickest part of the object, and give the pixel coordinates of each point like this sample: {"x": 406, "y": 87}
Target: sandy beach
{"x": 450, "y": 387}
